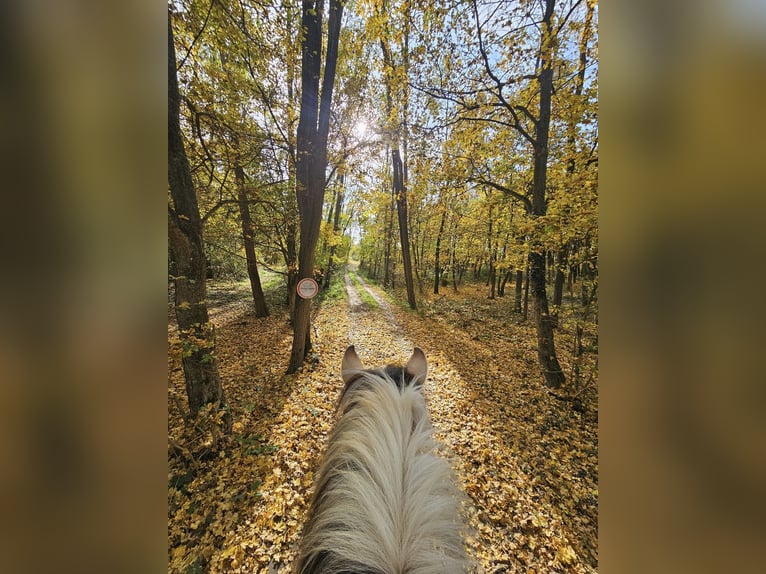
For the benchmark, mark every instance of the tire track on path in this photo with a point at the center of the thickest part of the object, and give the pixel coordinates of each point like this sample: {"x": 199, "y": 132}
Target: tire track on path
{"x": 376, "y": 334}
{"x": 380, "y": 339}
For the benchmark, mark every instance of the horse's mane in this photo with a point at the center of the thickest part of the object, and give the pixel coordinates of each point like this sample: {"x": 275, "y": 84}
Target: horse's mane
{"x": 384, "y": 503}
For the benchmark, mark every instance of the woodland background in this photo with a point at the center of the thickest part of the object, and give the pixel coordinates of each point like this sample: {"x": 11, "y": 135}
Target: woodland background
{"x": 450, "y": 156}
{"x": 84, "y": 304}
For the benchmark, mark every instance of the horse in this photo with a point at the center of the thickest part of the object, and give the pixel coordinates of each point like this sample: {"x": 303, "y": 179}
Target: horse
{"x": 384, "y": 503}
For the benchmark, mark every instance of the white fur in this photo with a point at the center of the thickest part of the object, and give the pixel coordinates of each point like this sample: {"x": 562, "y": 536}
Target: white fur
{"x": 384, "y": 502}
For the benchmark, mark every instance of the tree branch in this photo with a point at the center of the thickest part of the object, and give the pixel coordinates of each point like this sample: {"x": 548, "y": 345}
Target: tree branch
{"x": 523, "y": 199}
{"x": 564, "y": 20}
{"x": 197, "y": 37}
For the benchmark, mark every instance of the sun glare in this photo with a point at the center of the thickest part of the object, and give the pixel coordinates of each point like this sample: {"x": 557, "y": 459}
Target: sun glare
{"x": 360, "y": 129}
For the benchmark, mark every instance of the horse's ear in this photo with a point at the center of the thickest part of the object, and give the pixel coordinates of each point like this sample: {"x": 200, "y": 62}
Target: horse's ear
{"x": 351, "y": 362}
{"x": 417, "y": 366}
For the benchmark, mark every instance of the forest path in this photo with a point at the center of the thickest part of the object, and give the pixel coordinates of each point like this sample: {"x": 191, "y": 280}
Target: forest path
{"x": 376, "y": 334}
{"x": 527, "y": 465}
{"x": 380, "y": 339}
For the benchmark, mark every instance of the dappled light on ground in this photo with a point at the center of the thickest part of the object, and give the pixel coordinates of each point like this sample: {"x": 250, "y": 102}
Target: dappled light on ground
{"x": 525, "y": 458}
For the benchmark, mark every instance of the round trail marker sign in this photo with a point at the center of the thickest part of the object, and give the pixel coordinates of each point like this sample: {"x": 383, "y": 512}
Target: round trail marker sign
{"x": 307, "y": 288}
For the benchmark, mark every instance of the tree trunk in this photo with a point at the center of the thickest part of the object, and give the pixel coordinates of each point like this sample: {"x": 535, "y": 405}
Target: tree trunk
{"x": 491, "y": 249}
{"x": 558, "y": 283}
{"x": 506, "y": 277}
{"x": 292, "y": 262}
{"x": 335, "y": 228}
{"x": 401, "y": 208}
{"x": 437, "y": 265}
{"x": 389, "y": 240}
{"x": 517, "y": 301}
{"x": 311, "y": 157}
{"x": 261, "y": 310}
{"x": 526, "y": 294}
{"x": 453, "y": 261}
{"x": 550, "y": 266}
{"x": 546, "y": 349}
{"x": 203, "y": 384}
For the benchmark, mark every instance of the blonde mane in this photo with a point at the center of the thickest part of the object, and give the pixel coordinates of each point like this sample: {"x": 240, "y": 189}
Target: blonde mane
{"x": 384, "y": 502}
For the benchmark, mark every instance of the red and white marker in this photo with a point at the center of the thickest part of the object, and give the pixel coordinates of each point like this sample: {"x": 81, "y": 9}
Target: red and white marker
{"x": 307, "y": 288}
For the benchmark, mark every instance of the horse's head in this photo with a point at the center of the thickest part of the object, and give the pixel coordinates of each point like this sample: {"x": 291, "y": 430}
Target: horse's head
{"x": 384, "y": 501}
{"x": 413, "y": 373}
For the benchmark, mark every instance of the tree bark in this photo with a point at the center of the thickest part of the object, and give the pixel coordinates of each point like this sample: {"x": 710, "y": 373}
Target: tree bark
{"x": 404, "y": 236}
{"x": 437, "y": 265}
{"x": 506, "y": 277}
{"x": 203, "y": 384}
{"x": 546, "y": 349}
{"x": 335, "y": 228}
{"x": 311, "y": 157}
{"x": 517, "y": 301}
{"x": 259, "y": 300}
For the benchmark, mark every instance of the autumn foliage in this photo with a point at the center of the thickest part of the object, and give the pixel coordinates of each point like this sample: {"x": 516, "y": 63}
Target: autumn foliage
{"x": 456, "y": 169}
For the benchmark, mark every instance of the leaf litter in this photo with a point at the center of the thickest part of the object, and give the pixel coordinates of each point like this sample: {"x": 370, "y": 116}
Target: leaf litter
{"x": 526, "y": 459}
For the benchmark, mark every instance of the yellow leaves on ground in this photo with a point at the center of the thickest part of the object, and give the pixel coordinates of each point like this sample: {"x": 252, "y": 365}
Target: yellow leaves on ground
{"x": 242, "y": 510}
{"x": 566, "y": 555}
{"x": 526, "y": 461}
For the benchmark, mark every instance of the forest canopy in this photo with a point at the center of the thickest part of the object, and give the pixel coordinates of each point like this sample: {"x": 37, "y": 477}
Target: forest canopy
{"x": 428, "y": 174}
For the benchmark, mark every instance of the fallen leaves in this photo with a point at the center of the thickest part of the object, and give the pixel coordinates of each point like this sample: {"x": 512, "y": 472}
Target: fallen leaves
{"x": 526, "y": 459}
{"x": 527, "y": 462}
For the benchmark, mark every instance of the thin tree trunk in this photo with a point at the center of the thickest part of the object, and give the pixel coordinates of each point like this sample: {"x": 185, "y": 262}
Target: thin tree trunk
{"x": 335, "y": 228}
{"x": 389, "y": 240}
{"x": 401, "y": 208}
{"x": 558, "y": 283}
{"x": 570, "y": 280}
{"x": 506, "y": 277}
{"x": 517, "y": 301}
{"x": 491, "y": 249}
{"x": 437, "y": 265}
{"x": 203, "y": 384}
{"x": 261, "y": 310}
{"x": 550, "y": 266}
{"x": 329, "y": 219}
{"x": 292, "y": 262}
{"x": 546, "y": 349}
{"x": 525, "y": 312}
{"x": 453, "y": 260}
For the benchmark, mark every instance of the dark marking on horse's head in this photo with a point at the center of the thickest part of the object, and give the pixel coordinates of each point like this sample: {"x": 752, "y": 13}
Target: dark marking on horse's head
{"x": 413, "y": 373}
{"x": 400, "y": 375}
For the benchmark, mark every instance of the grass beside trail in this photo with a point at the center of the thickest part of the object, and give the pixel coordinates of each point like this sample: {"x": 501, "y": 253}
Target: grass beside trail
{"x": 336, "y": 291}
{"x": 364, "y": 295}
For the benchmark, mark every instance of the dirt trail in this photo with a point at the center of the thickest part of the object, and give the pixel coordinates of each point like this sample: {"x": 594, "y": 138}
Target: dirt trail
{"x": 380, "y": 339}
{"x": 377, "y": 335}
